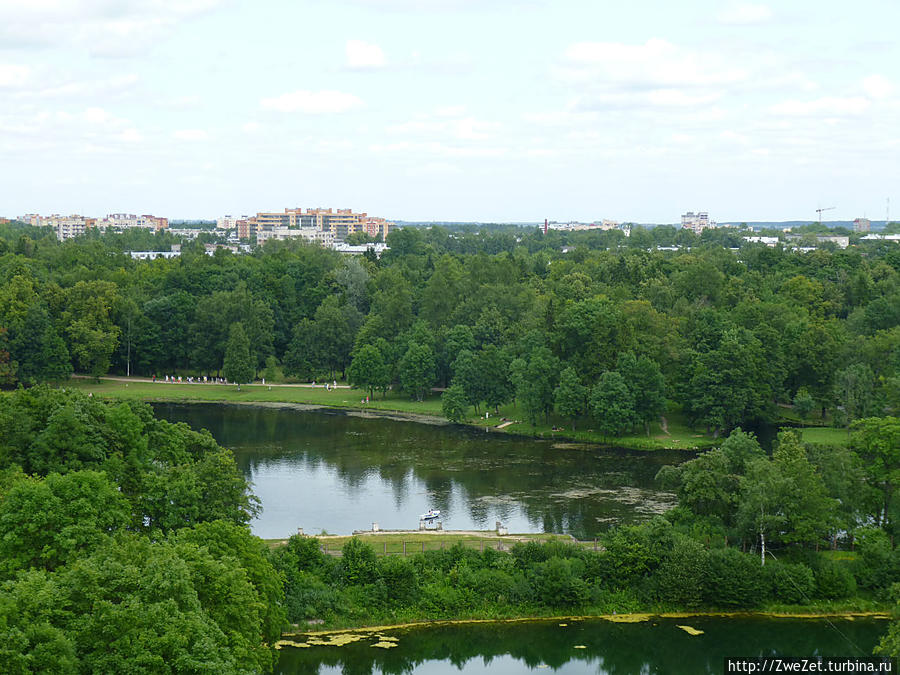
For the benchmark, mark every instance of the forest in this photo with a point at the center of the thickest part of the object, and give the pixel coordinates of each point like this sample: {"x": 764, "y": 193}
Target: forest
{"x": 584, "y": 327}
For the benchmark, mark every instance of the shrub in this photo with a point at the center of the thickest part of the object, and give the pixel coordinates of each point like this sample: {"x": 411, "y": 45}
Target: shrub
{"x": 733, "y": 579}
{"x": 790, "y": 583}
{"x": 400, "y": 579}
{"x": 558, "y": 582}
{"x": 834, "y": 581}
{"x": 875, "y": 567}
{"x": 679, "y": 579}
{"x": 358, "y": 564}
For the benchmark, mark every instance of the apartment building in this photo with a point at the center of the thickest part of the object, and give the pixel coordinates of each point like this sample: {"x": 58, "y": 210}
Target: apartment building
{"x": 339, "y": 223}
{"x": 696, "y": 222}
{"x": 124, "y": 221}
{"x": 67, "y": 227}
{"x": 322, "y": 237}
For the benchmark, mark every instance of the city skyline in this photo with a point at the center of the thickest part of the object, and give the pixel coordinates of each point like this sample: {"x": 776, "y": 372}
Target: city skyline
{"x": 450, "y": 109}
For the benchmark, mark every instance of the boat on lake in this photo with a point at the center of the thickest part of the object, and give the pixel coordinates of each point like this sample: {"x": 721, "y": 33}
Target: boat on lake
{"x": 430, "y": 516}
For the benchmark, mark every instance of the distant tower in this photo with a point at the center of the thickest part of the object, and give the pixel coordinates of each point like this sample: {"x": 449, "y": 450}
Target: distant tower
{"x": 545, "y": 226}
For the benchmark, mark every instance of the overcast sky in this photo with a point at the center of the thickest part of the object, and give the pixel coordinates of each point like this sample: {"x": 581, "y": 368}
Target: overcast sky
{"x": 489, "y": 110}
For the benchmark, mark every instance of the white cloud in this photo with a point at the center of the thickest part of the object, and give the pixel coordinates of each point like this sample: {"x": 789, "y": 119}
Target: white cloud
{"x": 251, "y": 127}
{"x": 190, "y": 135}
{"x": 364, "y": 56}
{"x": 97, "y": 116}
{"x": 312, "y": 102}
{"x": 877, "y": 86}
{"x": 828, "y": 106}
{"x": 129, "y": 136}
{"x": 12, "y": 75}
{"x": 656, "y": 63}
{"x": 745, "y": 14}
{"x": 102, "y": 27}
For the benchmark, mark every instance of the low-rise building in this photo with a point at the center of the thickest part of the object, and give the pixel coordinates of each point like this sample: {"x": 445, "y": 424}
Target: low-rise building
{"x": 862, "y": 225}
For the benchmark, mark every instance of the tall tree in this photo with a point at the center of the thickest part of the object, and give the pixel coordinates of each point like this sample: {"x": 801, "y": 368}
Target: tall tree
{"x": 238, "y": 365}
{"x": 570, "y": 396}
{"x": 368, "y": 370}
{"x": 417, "y": 370}
{"x": 647, "y": 386}
{"x": 877, "y": 442}
{"x": 612, "y": 404}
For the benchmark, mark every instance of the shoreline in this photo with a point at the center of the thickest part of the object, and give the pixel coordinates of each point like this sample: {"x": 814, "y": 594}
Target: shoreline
{"x": 222, "y": 395}
{"x": 633, "y": 617}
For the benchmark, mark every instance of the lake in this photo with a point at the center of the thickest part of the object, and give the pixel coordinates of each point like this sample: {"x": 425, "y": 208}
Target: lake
{"x": 656, "y": 647}
{"x": 336, "y": 471}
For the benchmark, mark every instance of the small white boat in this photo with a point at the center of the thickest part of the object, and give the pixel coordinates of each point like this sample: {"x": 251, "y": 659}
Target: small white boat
{"x": 431, "y": 515}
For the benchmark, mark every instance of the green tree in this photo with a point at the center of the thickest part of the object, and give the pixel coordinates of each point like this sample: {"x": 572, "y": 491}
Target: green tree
{"x": 854, "y": 389}
{"x": 417, "y": 370}
{"x": 612, "y": 404}
{"x": 454, "y": 403}
{"x": 534, "y": 379}
{"x": 570, "y": 396}
{"x": 238, "y": 365}
{"x": 39, "y": 351}
{"x": 803, "y": 403}
{"x": 876, "y": 440}
{"x": 368, "y": 370}
{"x": 647, "y": 387}
{"x": 47, "y": 522}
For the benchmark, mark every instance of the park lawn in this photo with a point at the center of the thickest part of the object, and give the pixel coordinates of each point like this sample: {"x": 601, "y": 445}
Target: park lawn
{"x": 680, "y": 435}
{"x": 824, "y": 435}
{"x": 254, "y": 393}
{"x": 398, "y": 543}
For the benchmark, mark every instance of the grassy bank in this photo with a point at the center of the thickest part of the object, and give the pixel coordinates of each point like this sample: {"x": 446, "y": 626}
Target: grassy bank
{"x": 676, "y": 436}
{"x": 409, "y": 543}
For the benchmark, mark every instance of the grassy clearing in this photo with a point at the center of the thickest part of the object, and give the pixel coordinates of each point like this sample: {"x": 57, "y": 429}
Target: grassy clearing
{"x": 678, "y": 436}
{"x": 824, "y": 435}
{"x": 410, "y": 543}
{"x": 254, "y": 393}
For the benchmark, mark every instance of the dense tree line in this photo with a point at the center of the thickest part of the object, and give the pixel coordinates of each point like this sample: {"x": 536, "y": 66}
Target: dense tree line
{"x": 124, "y": 544}
{"x": 607, "y": 333}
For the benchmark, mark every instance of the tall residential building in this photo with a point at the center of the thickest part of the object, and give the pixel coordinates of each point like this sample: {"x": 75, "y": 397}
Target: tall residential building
{"x": 697, "y": 222}
{"x": 68, "y": 226}
{"x": 340, "y": 223}
{"x": 126, "y": 221}
{"x": 228, "y": 222}
{"x": 862, "y": 225}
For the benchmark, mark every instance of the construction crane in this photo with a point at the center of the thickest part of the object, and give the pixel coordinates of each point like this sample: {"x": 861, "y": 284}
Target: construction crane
{"x": 819, "y": 211}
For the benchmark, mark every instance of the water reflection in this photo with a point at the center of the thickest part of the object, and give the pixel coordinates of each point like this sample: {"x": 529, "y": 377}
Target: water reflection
{"x": 593, "y": 646}
{"x": 339, "y": 472}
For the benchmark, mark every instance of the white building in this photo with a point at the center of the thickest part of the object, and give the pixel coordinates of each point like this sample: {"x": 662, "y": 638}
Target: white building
{"x": 360, "y": 249}
{"x": 67, "y": 227}
{"x": 771, "y": 242}
{"x": 323, "y": 237}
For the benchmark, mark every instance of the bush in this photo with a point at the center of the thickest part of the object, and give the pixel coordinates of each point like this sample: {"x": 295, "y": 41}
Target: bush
{"x": 875, "y": 567}
{"x": 358, "y": 564}
{"x": 733, "y": 579}
{"x": 558, "y": 582}
{"x": 834, "y": 581}
{"x": 790, "y": 583}
{"x": 679, "y": 579}
{"x": 400, "y": 579}
{"x": 308, "y": 597}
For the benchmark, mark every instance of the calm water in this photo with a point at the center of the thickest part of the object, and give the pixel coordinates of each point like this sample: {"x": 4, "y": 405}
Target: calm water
{"x": 651, "y": 648}
{"x": 326, "y": 470}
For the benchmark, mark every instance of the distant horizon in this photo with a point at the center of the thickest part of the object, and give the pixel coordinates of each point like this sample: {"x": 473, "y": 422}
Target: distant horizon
{"x": 452, "y": 110}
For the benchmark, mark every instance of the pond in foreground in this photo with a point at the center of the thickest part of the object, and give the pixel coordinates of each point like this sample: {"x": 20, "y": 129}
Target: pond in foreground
{"x": 594, "y": 646}
{"x": 335, "y": 471}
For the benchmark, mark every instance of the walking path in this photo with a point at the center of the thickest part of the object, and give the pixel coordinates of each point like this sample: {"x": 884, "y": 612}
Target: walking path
{"x": 119, "y": 378}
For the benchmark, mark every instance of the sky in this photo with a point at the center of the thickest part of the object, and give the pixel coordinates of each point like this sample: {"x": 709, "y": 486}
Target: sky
{"x": 467, "y": 110}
